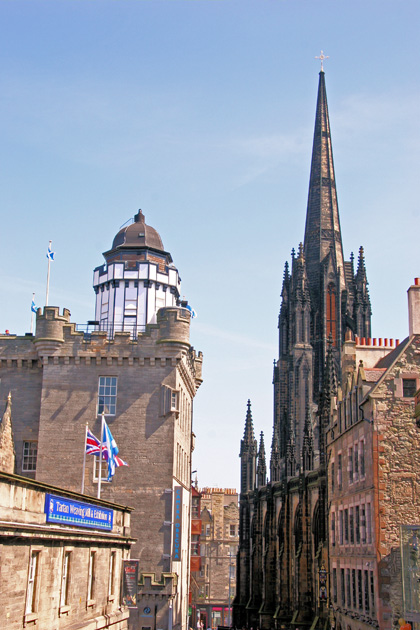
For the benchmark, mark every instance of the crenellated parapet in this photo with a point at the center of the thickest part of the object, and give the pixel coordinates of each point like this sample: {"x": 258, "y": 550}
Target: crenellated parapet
{"x": 174, "y": 326}
{"x": 58, "y": 342}
{"x": 49, "y": 329}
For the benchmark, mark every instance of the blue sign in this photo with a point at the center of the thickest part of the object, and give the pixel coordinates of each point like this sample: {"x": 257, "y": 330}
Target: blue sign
{"x": 68, "y": 512}
{"x": 177, "y": 526}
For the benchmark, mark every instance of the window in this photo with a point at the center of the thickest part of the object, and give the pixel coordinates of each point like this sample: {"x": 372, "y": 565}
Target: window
{"x": 111, "y": 577}
{"x": 348, "y": 588}
{"x": 346, "y": 527}
{"x": 335, "y": 585}
{"x": 195, "y": 508}
{"x": 91, "y": 578}
{"x": 343, "y": 588}
{"x": 350, "y": 466}
{"x": 366, "y": 579}
{"x": 356, "y": 461}
{"x": 340, "y": 472}
{"x": 359, "y": 588}
{"x": 357, "y": 525}
{"x": 353, "y": 587}
{"x": 331, "y": 313}
{"x": 341, "y": 526}
{"x": 195, "y": 545}
{"x": 362, "y": 457}
{"x": 104, "y": 469}
{"x": 65, "y": 579}
{"x": 174, "y": 401}
{"x": 32, "y": 589}
{"x": 333, "y": 529}
{"x": 351, "y": 525}
{"x": 409, "y": 387}
{"x": 30, "y": 451}
{"x": 107, "y": 395}
{"x": 232, "y": 529}
{"x": 332, "y": 477}
{"x": 372, "y": 592}
{"x": 368, "y": 523}
{"x": 203, "y": 549}
{"x": 363, "y": 524}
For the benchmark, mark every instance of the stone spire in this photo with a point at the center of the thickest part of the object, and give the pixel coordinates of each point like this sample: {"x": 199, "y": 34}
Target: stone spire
{"x": 7, "y": 447}
{"x": 262, "y": 465}
{"x": 308, "y": 441}
{"x": 362, "y": 305}
{"x": 248, "y": 454}
{"x": 275, "y": 457}
{"x": 322, "y": 230}
{"x": 290, "y": 454}
{"x": 248, "y": 444}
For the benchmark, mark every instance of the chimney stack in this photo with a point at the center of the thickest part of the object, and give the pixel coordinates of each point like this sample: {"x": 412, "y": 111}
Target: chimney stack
{"x": 414, "y": 308}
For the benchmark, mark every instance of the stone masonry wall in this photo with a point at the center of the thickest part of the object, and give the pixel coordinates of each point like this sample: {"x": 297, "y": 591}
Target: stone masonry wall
{"x": 398, "y": 466}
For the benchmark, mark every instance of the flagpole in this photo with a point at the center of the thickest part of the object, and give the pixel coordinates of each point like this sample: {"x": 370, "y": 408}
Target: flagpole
{"x": 100, "y": 455}
{"x": 84, "y": 460}
{"x": 32, "y": 314}
{"x": 48, "y": 276}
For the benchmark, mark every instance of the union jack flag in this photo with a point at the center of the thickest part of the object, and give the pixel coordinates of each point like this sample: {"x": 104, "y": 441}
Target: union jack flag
{"x": 93, "y": 447}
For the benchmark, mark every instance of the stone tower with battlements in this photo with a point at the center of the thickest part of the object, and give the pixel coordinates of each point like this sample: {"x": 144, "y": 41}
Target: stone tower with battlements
{"x": 144, "y": 377}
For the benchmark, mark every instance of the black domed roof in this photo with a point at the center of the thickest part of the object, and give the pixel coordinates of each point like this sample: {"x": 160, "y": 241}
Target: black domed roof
{"x": 138, "y": 234}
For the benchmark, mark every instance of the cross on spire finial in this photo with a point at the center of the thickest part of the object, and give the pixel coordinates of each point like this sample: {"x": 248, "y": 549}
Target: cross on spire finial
{"x": 321, "y": 58}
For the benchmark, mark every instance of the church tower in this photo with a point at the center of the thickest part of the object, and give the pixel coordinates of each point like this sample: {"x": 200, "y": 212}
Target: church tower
{"x": 322, "y": 298}
{"x": 283, "y": 546}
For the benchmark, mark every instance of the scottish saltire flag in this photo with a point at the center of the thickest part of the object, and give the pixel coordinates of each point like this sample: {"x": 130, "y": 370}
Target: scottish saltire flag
{"x": 93, "y": 447}
{"x": 50, "y": 253}
{"x": 110, "y": 446}
{"x": 192, "y": 311}
{"x": 33, "y": 307}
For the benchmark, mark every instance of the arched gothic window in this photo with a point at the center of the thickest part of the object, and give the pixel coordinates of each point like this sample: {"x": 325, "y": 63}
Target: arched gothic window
{"x": 332, "y": 313}
{"x": 298, "y": 532}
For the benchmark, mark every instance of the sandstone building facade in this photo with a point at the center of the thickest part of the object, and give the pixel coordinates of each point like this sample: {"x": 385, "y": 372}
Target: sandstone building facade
{"x": 55, "y": 575}
{"x": 284, "y": 577}
{"x": 373, "y": 450}
{"x": 214, "y": 587}
{"x": 135, "y": 363}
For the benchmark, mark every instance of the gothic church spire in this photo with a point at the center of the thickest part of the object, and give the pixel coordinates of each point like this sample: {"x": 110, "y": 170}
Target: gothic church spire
{"x": 262, "y": 465}
{"x": 322, "y": 230}
{"x": 248, "y": 454}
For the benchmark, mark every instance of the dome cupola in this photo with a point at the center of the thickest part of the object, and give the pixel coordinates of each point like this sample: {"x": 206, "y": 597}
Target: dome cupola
{"x": 138, "y": 235}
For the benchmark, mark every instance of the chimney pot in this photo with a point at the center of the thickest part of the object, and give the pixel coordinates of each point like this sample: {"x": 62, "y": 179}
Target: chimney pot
{"x": 414, "y": 308}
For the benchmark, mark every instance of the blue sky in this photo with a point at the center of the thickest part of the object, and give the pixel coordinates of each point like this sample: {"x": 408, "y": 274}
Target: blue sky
{"x": 201, "y": 113}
